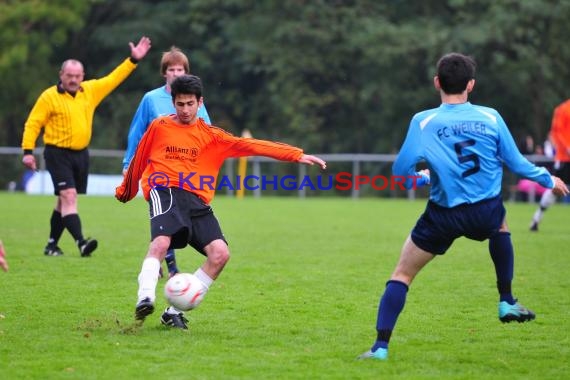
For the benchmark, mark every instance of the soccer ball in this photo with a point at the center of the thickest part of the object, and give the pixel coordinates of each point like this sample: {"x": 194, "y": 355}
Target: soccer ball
{"x": 184, "y": 291}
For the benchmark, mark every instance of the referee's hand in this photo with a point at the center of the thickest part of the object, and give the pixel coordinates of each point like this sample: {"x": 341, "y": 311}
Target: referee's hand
{"x": 29, "y": 160}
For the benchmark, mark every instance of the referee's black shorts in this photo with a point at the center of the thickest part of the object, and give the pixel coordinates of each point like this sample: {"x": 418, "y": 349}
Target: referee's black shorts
{"x": 183, "y": 216}
{"x": 68, "y": 168}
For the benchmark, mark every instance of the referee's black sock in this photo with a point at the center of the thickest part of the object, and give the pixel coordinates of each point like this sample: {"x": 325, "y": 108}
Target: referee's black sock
{"x": 56, "y": 228}
{"x": 73, "y": 225}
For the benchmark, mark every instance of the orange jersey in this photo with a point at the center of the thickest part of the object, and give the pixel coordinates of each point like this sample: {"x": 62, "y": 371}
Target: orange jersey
{"x": 171, "y": 154}
{"x": 560, "y": 132}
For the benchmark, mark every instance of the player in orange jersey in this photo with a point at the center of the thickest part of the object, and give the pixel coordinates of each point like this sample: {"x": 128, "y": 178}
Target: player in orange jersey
{"x": 177, "y": 161}
{"x": 560, "y": 137}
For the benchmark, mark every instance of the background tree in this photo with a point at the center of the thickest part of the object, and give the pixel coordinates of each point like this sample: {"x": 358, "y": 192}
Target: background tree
{"x": 330, "y": 75}
{"x": 32, "y": 32}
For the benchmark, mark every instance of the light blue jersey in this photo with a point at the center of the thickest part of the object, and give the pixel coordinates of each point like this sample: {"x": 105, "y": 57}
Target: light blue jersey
{"x": 157, "y": 102}
{"x": 465, "y": 147}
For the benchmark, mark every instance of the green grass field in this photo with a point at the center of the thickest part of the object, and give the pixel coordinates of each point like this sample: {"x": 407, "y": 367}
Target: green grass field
{"x": 297, "y": 300}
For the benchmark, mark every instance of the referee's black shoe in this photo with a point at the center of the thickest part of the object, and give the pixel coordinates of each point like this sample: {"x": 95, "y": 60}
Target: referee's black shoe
{"x": 87, "y": 246}
{"x": 52, "y": 250}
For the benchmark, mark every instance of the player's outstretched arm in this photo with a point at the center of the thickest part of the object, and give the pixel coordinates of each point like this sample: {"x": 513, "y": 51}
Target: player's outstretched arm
{"x": 312, "y": 160}
{"x": 560, "y": 187}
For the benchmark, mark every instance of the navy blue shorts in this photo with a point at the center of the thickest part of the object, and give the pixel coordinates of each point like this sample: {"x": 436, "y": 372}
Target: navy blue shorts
{"x": 184, "y": 217}
{"x": 439, "y": 226}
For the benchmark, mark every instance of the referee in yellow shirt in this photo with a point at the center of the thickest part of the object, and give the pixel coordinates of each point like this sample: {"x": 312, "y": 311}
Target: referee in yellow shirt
{"x": 65, "y": 113}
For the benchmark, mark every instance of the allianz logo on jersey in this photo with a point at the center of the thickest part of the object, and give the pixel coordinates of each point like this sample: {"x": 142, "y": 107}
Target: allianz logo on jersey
{"x": 172, "y": 149}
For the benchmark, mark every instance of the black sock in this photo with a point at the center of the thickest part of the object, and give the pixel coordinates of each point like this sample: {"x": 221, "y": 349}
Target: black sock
{"x": 56, "y": 228}
{"x": 73, "y": 225}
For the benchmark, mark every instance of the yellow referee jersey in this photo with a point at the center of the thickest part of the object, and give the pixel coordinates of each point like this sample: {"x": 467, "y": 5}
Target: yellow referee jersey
{"x": 68, "y": 120}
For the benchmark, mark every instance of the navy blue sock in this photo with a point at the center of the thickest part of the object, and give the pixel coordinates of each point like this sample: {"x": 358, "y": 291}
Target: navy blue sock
{"x": 391, "y": 305}
{"x": 501, "y": 250}
{"x": 171, "y": 261}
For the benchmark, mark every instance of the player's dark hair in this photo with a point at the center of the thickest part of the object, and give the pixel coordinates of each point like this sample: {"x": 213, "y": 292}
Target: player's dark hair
{"x": 454, "y": 71}
{"x": 186, "y": 84}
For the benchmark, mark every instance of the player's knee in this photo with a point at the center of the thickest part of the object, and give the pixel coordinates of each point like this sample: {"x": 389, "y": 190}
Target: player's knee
{"x": 158, "y": 247}
{"x": 221, "y": 257}
{"x": 68, "y": 197}
{"x": 219, "y": 254}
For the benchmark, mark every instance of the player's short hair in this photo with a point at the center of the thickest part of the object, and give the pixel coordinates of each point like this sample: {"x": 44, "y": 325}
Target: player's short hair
{"x": 454, "y": 71}
{"x": 174, "y": 56}
{"x": 187, "y": 85}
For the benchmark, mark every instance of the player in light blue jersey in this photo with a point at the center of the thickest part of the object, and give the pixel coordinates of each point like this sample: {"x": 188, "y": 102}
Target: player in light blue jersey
{"x": 157, "y": 102}
{"x": 464, "y": 147}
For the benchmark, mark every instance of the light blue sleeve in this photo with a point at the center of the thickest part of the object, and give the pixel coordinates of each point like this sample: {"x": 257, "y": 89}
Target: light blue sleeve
{"x": 410, "y": 154}
{"x": 203, "y": 113}
{"x": 516, "y": 162}
{"x": 137, "y": 129}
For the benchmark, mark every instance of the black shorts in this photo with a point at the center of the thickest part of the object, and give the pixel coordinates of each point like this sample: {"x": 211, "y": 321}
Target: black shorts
{"x": 183, "y": 216}
{"x": 562, "y": 170}
{"x": 68, "y": 168}
{"x": 439, "y": 226}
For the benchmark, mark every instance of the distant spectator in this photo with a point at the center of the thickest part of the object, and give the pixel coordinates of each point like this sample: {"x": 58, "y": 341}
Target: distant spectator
{"x": 560, "y": 137}
{"x": 3, "y": 262}
{"x": 527, "y": 146}
{"x": 527, "y": 189}
{"x": 26, "y": 177}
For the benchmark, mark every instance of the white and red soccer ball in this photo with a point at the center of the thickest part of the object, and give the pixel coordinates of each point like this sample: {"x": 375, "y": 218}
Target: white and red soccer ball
{"x": 184, "y": 291}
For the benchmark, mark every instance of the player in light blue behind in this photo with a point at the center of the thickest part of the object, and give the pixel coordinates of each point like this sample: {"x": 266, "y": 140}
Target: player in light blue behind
{"x": 464, "y": 147}
{"x": 158, "y": 102}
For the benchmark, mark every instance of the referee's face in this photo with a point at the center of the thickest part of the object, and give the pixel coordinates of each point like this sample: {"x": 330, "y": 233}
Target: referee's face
{"x": 71, "y": 77}
{"x": 187, "y": 107}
